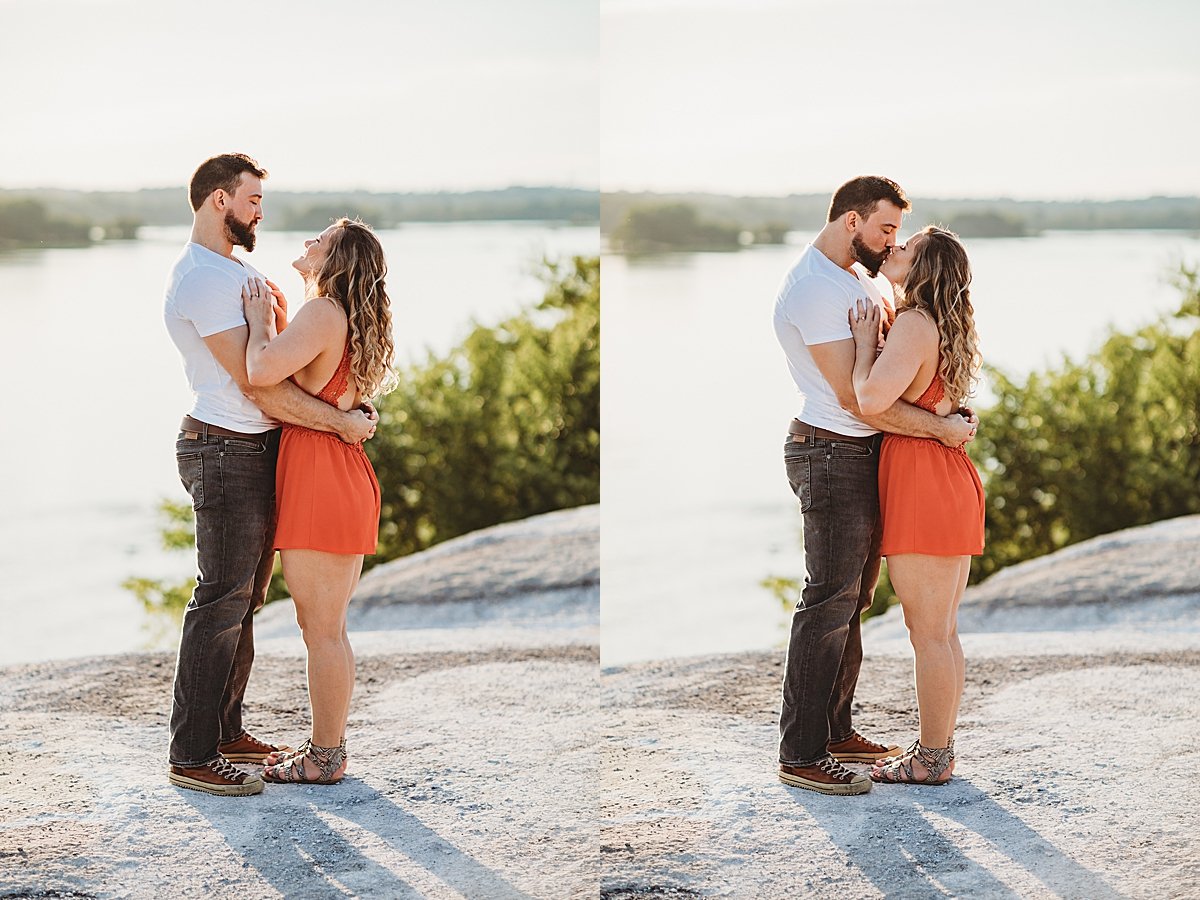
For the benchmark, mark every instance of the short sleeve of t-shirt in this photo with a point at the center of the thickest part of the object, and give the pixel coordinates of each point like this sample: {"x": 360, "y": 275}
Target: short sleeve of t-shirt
{"x": 818, "y": 307}
{"x": 210, "y": 300}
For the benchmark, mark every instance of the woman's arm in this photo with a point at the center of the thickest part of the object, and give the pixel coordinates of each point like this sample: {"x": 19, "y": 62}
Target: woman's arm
{"x": 836, "y": 359}
{"x": 285, "y": 401}
{"x": 880, "y": 381}
{"x": 272, "y": 356}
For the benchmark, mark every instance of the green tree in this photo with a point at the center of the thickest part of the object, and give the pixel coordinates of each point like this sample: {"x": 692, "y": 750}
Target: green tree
{"x": 26, "y": 222}
{"x": 505, "y": 426}
{"x": 1094, "y": 446}
{"x": 672, "y": 226}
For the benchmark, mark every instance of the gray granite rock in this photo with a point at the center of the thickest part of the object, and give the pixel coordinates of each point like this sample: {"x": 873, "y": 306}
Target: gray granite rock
{"x": 547, "y": 553}
{"x": 1159, "y": 561}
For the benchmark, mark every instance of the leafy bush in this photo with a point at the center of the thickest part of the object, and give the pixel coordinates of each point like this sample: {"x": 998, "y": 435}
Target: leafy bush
{"x": 506, "y": 426}
{"x": 1094, "y": 446}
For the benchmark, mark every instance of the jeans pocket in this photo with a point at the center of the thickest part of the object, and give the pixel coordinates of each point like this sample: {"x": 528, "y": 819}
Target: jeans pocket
{"x": 191, "y": 474}
{"x": 239, "y": 447}
{"x": 846, "y": 450}
{"x": 799, "y": 473}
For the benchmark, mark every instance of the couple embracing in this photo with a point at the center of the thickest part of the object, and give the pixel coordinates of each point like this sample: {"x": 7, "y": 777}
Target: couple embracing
{"x": 876, "y": 457}
{"x": 305, "y": 489}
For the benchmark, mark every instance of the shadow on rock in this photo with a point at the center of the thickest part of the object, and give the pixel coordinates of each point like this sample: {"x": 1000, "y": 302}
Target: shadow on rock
{"x": 909, "y": 853}
{"x": 345, "y": 839}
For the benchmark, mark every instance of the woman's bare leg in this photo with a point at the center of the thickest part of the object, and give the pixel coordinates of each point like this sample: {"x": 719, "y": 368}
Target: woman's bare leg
{"x": 955, "y": 643}
{"x": 321, "y": 584}
{"x": 928, "y": 587}
{"x": 349, "y": 651}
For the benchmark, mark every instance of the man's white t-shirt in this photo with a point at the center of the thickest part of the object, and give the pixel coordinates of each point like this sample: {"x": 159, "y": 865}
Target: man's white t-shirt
{"x": 203, "y": 298}
{"x": 812, "y": 308}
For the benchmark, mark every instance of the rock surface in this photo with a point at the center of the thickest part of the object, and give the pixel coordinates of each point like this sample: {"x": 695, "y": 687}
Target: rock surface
{"x": 1074, "y": 779}
{"x": 552, "y": 552}
{"x": 472, "y": 740}
{"x": 1156, "y": 561}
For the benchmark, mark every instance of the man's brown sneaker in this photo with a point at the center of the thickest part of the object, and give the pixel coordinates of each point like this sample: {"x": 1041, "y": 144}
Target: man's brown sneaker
{"x": 857, "y": 749}
{"x": 249, "y": 749}
{"x": 218, "y": 777}
{"x": 826, "y": 777}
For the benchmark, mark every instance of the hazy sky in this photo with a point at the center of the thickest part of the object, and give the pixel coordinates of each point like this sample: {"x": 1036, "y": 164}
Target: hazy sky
{"x": 1024, "y": 98}
{"x": 403, "y": 95}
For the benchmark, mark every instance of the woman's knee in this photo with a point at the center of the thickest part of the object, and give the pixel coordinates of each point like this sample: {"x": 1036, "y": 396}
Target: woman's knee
{"x": 319, "y": 630}
{"x": 925, "y": 635}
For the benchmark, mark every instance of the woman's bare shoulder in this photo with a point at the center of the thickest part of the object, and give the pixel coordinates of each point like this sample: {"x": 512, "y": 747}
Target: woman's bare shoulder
{"x": 914, "y": 324}
{"x": 325, "y": 306}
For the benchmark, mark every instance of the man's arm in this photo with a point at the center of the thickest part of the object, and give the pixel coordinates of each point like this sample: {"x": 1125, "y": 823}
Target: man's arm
{"x": 835, "y": 360}
{"x": 285, "y": 401}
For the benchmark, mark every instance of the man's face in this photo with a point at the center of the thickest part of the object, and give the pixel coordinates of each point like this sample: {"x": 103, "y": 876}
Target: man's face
{"x": 243, "y": 211}
{"x": 875, "y": 236}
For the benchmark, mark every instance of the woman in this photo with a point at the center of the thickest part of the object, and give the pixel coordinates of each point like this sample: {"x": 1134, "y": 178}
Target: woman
{"x": 339, "y": 348}
{"x": 930, "y": 496}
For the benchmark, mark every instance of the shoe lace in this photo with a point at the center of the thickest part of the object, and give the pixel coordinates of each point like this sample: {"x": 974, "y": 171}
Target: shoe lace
{"x": 226, "y": 769}
{"x": 833, "y": 768}
{"x": 866, "y": 743}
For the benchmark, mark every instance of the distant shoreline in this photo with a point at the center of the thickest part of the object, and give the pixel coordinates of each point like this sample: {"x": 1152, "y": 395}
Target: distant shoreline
{"x": 999, "y": 217}
{"x": 56, "y": 217}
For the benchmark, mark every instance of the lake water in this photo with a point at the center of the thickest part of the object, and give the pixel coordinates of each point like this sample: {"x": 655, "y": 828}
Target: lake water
{"x": 696, "y": 398}
{"x": 93, "y": 391}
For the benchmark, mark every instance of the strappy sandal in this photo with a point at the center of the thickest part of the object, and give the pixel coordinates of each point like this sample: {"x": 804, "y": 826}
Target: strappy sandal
{"x": 888, "y": 760}
{"x": 275, "y": 759}
{"x": 327, "y": 761}
{"x": 279, "y": 758}
{"x": 936, "y": 761}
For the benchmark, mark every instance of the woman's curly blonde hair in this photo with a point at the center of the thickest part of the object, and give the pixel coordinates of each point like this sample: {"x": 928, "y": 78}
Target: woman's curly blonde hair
{"x": 352, "y": 274}
{"x": 939, "y": 284}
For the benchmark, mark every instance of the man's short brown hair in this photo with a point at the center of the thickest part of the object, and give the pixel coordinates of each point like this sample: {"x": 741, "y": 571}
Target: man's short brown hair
{"x": 862, "y": 194}
{"x": 221, "y": 173}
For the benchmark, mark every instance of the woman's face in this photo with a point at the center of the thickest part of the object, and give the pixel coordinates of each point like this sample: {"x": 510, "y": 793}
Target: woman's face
{"x": 309, "y": 262}
{"x": 895, "y": 268}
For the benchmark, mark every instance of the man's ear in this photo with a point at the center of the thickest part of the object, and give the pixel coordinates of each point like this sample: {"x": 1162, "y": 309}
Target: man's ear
{"x": 852, "y": 220}
{"x": 218, "y": 198}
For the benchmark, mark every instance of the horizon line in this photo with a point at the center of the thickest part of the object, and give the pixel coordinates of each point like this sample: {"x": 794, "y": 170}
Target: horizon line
{"x": 739, "y": 195}
{"x": 311, "y": 190}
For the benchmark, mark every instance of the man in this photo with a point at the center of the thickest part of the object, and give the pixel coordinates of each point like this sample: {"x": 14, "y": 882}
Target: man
{"x": 832, "y": 462}
{"x": 226, "y": 454}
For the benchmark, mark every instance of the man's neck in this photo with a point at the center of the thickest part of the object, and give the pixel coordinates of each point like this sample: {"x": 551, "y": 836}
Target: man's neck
{"x": 212, "y": 238}
{"x": 833, "y": 247}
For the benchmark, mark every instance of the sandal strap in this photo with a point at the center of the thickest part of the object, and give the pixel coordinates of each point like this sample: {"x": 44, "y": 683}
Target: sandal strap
{"x": 327, "y": 759}
{"x": 935, "y": 759}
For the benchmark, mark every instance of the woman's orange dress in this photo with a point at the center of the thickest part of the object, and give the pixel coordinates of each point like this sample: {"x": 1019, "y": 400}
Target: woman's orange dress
{"x": 930, "y": 496}
{"x": 326, "y": 493}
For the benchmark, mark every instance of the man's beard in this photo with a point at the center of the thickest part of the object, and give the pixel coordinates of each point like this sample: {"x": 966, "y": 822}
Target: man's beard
{"x": 868, "y": 257}
{"x": 239, "y": 233}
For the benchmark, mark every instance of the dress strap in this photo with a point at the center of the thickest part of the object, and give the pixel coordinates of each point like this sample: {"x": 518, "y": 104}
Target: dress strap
{"x": 933, "y": 394}
{"x": 338, "y": 381}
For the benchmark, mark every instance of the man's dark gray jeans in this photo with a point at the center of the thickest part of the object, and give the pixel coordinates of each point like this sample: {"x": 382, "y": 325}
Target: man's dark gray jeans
{"x": 232, "y": 485}
{"x": 837, "y": 484}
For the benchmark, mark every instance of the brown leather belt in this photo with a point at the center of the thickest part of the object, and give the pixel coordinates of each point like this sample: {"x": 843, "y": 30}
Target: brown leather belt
{"x": 803, "y": 433}
{"x": 194, "y": 428}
